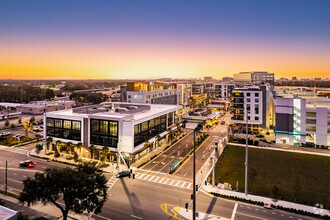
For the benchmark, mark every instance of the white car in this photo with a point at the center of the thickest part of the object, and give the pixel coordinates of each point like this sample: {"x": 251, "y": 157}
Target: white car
{"x": 5, "y": 133}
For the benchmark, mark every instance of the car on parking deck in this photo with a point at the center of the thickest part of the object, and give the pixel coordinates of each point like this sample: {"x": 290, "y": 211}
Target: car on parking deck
{"x": 123, "y": 174}
{"x": 5, "y": 133}
{"x": 27, "y": 163}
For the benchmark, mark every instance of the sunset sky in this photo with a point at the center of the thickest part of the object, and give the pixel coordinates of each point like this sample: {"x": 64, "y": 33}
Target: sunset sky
{"x": 151, "y": 39}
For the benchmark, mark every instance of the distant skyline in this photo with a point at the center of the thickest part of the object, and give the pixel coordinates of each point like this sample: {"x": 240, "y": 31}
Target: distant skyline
{"x": 160, "y": 39}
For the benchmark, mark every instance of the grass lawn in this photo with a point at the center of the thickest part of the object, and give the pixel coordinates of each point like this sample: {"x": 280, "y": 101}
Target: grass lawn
{"x": 300, "y": 178}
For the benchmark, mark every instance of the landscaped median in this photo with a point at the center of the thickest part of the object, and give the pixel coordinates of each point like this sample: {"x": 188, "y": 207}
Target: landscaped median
{"x": 277, "y": 175}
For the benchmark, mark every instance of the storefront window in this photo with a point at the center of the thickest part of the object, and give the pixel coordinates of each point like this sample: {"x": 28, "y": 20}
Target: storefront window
{"x": 104, "y": 133}
{"x": 63, "y": 128}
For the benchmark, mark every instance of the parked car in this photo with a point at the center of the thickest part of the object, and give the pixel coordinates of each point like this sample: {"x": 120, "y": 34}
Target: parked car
{"x": 123, "y": 174}
{"x": 27, "y": 163}
{"x": 260, "y": 136}
{"x": 5, "y": 133}
{"x": 39, "y": 135}
{"x": 18, "y": 136}
{"x": 37, "y": 128}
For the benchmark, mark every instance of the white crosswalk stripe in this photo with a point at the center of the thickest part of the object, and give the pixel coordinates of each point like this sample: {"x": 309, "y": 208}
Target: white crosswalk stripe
{"x": 17, "y": 150}
{"x": 111, "y": 182}
{"x": 165, "y": 181}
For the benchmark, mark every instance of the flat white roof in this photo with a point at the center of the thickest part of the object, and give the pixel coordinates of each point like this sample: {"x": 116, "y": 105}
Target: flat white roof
{"x": 154, "y": 109}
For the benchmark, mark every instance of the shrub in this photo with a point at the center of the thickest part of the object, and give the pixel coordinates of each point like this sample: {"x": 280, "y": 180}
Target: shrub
{"x": 256, "y": 143}
{"x": 267, "y": 133}
{"x": 50, "y": 153}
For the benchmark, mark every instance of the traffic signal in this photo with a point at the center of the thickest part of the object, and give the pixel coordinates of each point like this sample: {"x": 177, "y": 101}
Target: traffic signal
{"x": 186, "y": 205}
{"x": 192, "y": 196}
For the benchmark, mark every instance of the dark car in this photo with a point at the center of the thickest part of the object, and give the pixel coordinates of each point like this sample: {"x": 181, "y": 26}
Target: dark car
{"x": 39, "y": 135}
{"x": 260, "y": 136}
{"x": 223, "y": 122}
{"x": 123, "y": 174}
{"x": 27, "y": 163}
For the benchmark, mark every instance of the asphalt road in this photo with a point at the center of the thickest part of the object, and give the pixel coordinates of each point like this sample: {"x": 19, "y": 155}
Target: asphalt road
{"x": 139, "y": 199}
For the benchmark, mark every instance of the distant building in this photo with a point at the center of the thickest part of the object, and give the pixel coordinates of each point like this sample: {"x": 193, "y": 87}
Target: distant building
{"x": 208, "y": 79}
{"x": 302, "y": 120}
{"x": 222, "y": 91}
{"x": 317, "y": 79}
{"x": 254, "y": 77}
{"x": 255, "y": 103}
{"x": 227, "y": 79}
{"x": 153, "y": 92}
{"x": 294, "y": 78}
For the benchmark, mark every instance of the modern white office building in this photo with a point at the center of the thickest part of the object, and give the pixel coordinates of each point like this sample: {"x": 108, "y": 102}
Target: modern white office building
{"x": 302, "y": 120}
{"x": 123, "y": 127}
{"x": 255, "y": 103}
{"x": 223, "y": 91}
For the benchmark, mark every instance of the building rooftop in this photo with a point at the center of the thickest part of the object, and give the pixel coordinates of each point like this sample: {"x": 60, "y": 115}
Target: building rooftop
{"x": 119, "y": 110}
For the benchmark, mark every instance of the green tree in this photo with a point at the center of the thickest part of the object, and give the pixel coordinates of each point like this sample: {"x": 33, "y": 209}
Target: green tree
{"x": 105, "y": 151}
{"x": 49, "y": 141}
{"x": 80, "y": 188}
{"x": 275, "y": 193}
{"x": 32, "y": 119}
{"x": 58, "y": 144}
{"x": 78, "y": 147}
{"x": 158, "y": 139}
{"x": 7, "y": 123}
{"x": 69, "y": 146}
{"x": 38, "y": 148}
{"x": 49, "y": 94}
{"x": 92, "y": 150}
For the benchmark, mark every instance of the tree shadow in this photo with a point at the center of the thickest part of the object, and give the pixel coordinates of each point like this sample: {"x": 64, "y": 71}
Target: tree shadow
{"x": 212, "y": 203}
{"x": 133, "y": 199}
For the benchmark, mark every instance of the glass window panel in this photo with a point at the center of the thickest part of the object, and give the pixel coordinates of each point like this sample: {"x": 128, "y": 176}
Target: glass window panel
{"x": 76, "y": 125}
{"x": 95, "y": 125}
{"x": 104, "y": 129}
{"x": 66, "y": 124}
{"x": 136, "y": 129}
{"x": 58, "y": 123}
{"x": 50, "y": 122}
{"x": 151, "y": 123}
{"x": 144, "y": 126}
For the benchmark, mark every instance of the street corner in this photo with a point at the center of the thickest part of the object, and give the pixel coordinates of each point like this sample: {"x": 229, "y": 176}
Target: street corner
{"x": 172, "y": 210}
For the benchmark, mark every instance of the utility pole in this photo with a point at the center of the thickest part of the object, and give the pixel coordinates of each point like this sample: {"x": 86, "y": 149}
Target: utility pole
{"x": 194, "y": 180}
{"x": 6, "y": 177}
{"x": 246, "y": 150}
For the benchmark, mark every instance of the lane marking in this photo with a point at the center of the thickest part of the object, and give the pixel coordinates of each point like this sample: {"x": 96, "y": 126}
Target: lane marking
{"x": 189, "y": 185}
{"x": 234, "y": 211}
{"x": 166, "y": 181}
{"x": 184, "y": 183}
{"x": 177, "y": 183}
{"x": 161, "y": 180}
{"x": 133, "y": 216}
{"x": 156, "y": 179}
{"x": 172, "y": 182}
{"x": 151, "y": 178}
{"x": 140, "y": 177}
{"x": 251, "y": 216}
{"x": 146, "y": 177}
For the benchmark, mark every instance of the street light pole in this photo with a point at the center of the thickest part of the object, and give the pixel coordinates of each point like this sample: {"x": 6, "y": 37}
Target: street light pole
{"x": 246, "y": 150}
{"x": 194, "y": 181}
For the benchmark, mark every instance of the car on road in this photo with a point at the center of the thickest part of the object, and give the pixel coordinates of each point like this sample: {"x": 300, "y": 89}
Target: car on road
{"x": 223, "y": 122}
{"x": 37, "y": 128}
{"x": 27, "y": 163}
{"x": 123, "y": 174}
{"x": 5, "y": 133}
{"x": 260, "y": 136}
{"x": 268, "y": 206}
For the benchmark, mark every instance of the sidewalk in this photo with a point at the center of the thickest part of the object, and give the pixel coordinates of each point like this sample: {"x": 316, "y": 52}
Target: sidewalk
{"x": 266, "y": 200}
{"x": 48, "y": 211}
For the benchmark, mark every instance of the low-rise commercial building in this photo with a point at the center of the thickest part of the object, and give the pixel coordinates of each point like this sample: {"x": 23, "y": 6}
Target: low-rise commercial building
{"x": 254, "y": 77}
{"x": 123, "y": 127}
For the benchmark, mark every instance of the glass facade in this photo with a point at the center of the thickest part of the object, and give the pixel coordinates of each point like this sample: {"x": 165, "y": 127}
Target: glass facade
{"x": 63, "y": 128}
{"x": 104, "y": 133}
{"x": 146, "y": 130}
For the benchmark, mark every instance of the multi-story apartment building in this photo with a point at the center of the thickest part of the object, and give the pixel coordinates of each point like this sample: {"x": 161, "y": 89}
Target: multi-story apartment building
{"x": 254, "y": 77}
{"x": 255, "y": 103}
{"x": 153, "y": 92}
{"x": 123, "y": 127}
{"x": 300, "y": 120}
{"x": 183, "y": 94}
{"x": 223, "y": 91}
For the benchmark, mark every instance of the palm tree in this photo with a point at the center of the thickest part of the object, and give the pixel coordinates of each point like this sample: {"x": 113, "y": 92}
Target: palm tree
{"x": 58, "y": 145}
{"x": 105, "y": 151}
{"x": 92, "y": 150}
{"x": 49, "y": 142}
{"x": 78, "y": 147}
{"x": 69, "y": 146}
